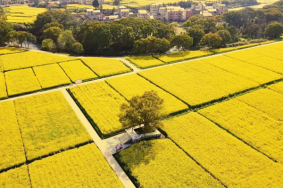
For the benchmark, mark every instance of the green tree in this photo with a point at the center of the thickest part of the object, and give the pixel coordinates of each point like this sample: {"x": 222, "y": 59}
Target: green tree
{"x": 22, "y": 37}
{"x": 5, "y": 28}
{"x": 194, "y": 20}
{"x": 161, "y": 45}
{"x": 212, "y": 40}
{"x": 49, "y": 45}
{"x": 182, "y": 42}
{"x": 197, "y": 33}
{"x": 77, "y": 48}
{"x": 95, "y": 4}
{"x": 53, "y": 24}
{"x": 66, "y": 40}
{"x": 274, "y": 30}
{"x": 225, "y": 35}
{"x": 209, "y": 24}
{"x": 52, "y": 33}
{"x": 30, "y": 38}
{"x": 234, "y": 33}
{"x": 12, "y": 37}
{"x": 145, "y": 109}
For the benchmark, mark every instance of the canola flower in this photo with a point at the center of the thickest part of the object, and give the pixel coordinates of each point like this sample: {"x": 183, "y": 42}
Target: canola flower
{"x": 181, "y": 56}
{"x": 278, "y": 45}
{"x": 230, "y": 160}
{"x": 269, "y": 52}
{"x": 80, "y": 167}
{"x": 251, "y": 72}
{"x": 144, "y": 61}
{"x": 30, "y": 59}
{"x": 278, "y": 87}
{"x": 77, "y": 70}
{"x": 11, "y": 147}
{"x": 106, "y": 66}
{"x": 253, "y": 120}
{"x": 197, "y": 82}
{"x": 10, "y": 50}
{"x": 15, "y": 178}
{"x": 48, "y": 124}
{"x": 21, "y": 81}
{"x": 133, "y": 85}
{"x": 51, "y": 76}
{"x": 160, "y": 163}
{"x": 102, "y": 104}
{"x": 3, "y": 92}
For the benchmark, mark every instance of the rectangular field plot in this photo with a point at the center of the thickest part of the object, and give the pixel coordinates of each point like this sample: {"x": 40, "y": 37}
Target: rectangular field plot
{"x": 244, "y": 55}
{"x": 48, "y": 124}
{"x": 160, "y": 163}
{"x": 11, "y": 147}
{"x": 144, "y": 61}
{"x": 268, "y": 51}
{"x": 197, "y": 82}
{"x": 277, "y": 87}
{"x": 278, "y": 46}
{"x": 80, "y": 167}
{"x": 15, "y": 178}
{"x": 21, "y": 82}
{"x": 106, "y": 66}
{"x": 256, "y": 118}
{"x": 77, "y": 70}
{"x": 3, "y": 92}
{"x": 51, "y": 76}
{"x": 10, "y": 51}
{"x": 181, "y": 56}
{"x": 248, "y": 71}
{"x": 133, "y": 85}
{"x": 30, "y": 59}
{"x": 102, "y": 104}
{"x": 230, "y": 160}
{"x": 267, "y": 63}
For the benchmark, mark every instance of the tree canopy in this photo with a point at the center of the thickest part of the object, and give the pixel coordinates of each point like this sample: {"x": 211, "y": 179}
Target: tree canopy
{"x": 145, "y": 109}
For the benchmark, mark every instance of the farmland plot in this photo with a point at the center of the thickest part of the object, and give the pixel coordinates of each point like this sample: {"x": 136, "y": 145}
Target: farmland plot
{"x": 15, "y": 178}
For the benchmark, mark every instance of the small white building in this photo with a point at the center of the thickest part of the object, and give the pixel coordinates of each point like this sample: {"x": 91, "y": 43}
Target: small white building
{"x": 154, "y": 8}
{"x": 123, "y": 12}
{"x": 94, "y": 14}
{"x": 220, "y": 8}
{"x": 143, "y": 14}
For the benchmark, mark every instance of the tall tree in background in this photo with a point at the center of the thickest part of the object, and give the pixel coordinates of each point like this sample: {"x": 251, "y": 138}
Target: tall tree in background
{"x": 5, "y": 28}
{"x": 182, "y": 42}
{"x": 145, "y": 109}
{"x": 66, "y": 40}
{"x": 274, "y": 30}
{"x": 212, "y": 40}
{"x": 95, "y": 4}
{"x": 225, "y": 35}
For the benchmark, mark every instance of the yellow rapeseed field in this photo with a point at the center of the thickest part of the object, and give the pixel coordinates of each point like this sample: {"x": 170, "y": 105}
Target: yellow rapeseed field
{"x": 144, "y": 61}
{"x": 21, "y": 81}
{"x": 106, "y": 66}
{"x": 230, "y": 160}
{"x": 23, "y": 13}
{"x": 51, "y": 76}
{"x": 268, "y": 51}
{"x": 30, "y": 59}
{"x": 15, "y": 178}
{"x": 243, "y": 55}
{"x": 133, "y": 85}
{"x": 278, "y": 46}
{"x": 251, "y": 72}
{"x": 10, "y": 50}
{"x": 77, "y": 70}
{"x": 248, "y": 121}
{"x": 48, "y": 124}
{"x": 3, "y": 92}
{"x": 277, "y": 87}
{"x": 11, "y": 147}
{"x": 102, "y": 104}
{"x": 197, "y": 82}
{"x": 160, "y": 163}
{"x": 80, "y": 167}
{"x": 181, "y": 56}
{"x": 268, "y": 63}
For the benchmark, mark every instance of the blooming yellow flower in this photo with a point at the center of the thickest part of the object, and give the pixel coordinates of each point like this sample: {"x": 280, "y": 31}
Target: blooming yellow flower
{"x": 17, "y": 178}
{"x": 144, "y": 61}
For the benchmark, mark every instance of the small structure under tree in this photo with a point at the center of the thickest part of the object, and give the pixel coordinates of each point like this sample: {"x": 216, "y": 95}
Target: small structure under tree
{"x": 142, "y": 110}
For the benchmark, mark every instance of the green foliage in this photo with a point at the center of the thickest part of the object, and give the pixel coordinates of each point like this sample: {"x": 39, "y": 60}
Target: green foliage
{"x": 49, "y": 45}
{"x": 145, "y": 109}
{"x": 95, "y": 4}
{"x": 196, "y": 32}
{"x": 274, "y": 30}
{"x": 53, "y": 24}
{"x": 182, "y": 42}
{"x": 66, "y": 40}
{"x": 151, "y": 45}
{"x": 77, "y": 48}
{"x": 225, "y": 35}
{"x": 52, "y": 33}
{"x": 212, "y": 40}
{"x": 5, "y": 28}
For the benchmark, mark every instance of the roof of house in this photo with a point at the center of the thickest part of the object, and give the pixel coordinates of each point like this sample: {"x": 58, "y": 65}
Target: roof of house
{"x": 143, "y": 12}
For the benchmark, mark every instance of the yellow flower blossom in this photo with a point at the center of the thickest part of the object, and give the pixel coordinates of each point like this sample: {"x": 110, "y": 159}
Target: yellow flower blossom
{"x": 80, "y": 167}
{"x": 3, "y": 92}
{"x": 15, "y": 178}
{"x": 48, "y": 124}
{"x": 144, "y": 61}
{"x": 11, "y": 147}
